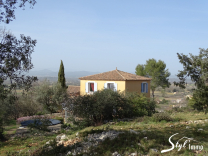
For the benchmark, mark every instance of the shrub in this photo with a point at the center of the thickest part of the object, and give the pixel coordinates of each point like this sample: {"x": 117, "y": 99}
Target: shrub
{"x": 140, "y": 104}
{"x": 50, "y": 96}
{"x": 102, "y": 105}
{"x": 79, "y": 124}
{"x": 162, "y": 116}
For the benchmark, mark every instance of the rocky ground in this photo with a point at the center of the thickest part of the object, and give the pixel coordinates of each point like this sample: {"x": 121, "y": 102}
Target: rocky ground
{"x": 96, "y": 138}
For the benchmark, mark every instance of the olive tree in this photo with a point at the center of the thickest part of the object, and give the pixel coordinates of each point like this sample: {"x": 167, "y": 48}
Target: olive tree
{"x": 195, "y": 67}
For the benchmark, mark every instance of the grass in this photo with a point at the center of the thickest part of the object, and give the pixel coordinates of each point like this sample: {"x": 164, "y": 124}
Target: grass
{"x": 157, "y": 134}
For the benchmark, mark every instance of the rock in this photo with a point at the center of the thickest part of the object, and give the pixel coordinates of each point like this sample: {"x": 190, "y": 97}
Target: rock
{"x": 133, "y": 154}
{"x": 60, "y": 143}
{"x": 115, "y": 153}
{"x": 50, "y": 147}
{"x": 171, "y": 126}
{"x": 154, "y": 150}
{"x": 195, "y": 121}
{"x": 187, "y": 127}
{"x": 79, "y": 149}
{"x": 145, "y": 138}
{"x": 69, "y": 153}
{"x": 200, "y": 129}
{"x": 132, "y": 131}
{"x": 63, "y": 137}
{"x": 58, "y": 137}
{"x": 47, "y": 143}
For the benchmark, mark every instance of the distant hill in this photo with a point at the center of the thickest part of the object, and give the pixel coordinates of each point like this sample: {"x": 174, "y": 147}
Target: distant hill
{"x": 49, "y": 73}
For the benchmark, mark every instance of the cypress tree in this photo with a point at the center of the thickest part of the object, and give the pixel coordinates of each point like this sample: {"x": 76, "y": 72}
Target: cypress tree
{"x": 61, "y": 75}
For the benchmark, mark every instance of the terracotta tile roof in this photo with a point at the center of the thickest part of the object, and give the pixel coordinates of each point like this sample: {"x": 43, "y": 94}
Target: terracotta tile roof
{"x": 73, "y": 89}
{"x": 115, "y": 75}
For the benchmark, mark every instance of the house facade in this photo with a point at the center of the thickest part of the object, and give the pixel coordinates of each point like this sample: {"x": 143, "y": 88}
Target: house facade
{"x": 116, "y": 80}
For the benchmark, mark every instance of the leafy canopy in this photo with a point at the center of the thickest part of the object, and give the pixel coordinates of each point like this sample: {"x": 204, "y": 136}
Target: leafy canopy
{"x": 195, "y": 67}
{"x": 155, "y": 70}
{"x": 8, "y": 6}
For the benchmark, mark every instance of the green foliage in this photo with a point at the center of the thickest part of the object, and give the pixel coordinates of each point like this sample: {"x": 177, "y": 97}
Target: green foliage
{"x": 163, "y": 91}
{"x": 102, "y": 105}
{"x": 110, "y": 105}
{"x": 40, "y": 113}
{"x": 61, "y": 75}
{"x": 15, "y": 60}
{"x": 199, "y": 100}
{"x": 121, "y": 123}
{"x": 51, "y": 97}
{"x": 80, "y": 124}
{"x": 195, "y": 67}
{"x": 164, "y": 101}
{"x": 140, "y": 104}
{"x": 140, "y": 70}
{"x": 162, "y": 116}
{"x": 65, "y": 125}
{"x": 156, "y": 71}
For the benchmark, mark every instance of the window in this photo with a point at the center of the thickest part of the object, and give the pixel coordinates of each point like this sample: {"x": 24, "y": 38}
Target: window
{"x": 90, "y": 87}
{"x": 110, "y": 86}
{"x": 144, "y": 87}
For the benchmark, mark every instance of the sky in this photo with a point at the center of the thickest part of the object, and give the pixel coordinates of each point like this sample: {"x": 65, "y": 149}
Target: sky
{"x": 99, "y": 36}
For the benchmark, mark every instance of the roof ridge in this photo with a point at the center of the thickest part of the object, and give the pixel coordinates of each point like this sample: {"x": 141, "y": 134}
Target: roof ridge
{"x": 120, "y": 74}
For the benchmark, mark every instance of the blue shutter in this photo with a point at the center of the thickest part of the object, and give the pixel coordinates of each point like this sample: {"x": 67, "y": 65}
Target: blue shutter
{"x": 142, "y": 87}
{"x": 147, "y": 88}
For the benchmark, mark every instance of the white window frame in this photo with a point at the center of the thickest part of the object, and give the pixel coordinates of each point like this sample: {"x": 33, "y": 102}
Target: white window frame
{"x": 114, "y": 84}
{"x": 88, "y": 87}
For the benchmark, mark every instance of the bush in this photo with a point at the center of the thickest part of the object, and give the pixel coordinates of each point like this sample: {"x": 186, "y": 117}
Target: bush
{"x": 162, "y": 116}
{"x": 102, "y": 105}
{"x": 141, "y": 105}
{"x": 80, "y": 124}
{"x": 50, "y": 97}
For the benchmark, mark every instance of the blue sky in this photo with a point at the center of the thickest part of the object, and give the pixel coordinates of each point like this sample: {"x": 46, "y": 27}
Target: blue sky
{"x": 100, "y": 35}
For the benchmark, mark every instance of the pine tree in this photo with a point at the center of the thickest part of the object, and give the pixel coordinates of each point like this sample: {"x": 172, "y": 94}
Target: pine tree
{"x": 61, "y": 75}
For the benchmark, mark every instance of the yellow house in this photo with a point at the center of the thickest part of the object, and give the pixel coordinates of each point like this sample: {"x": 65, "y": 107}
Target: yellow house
{"x": 116, "y": 80}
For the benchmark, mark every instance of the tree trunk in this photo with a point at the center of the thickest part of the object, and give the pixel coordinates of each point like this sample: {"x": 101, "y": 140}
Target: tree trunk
{"x": 153, "y": 94}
